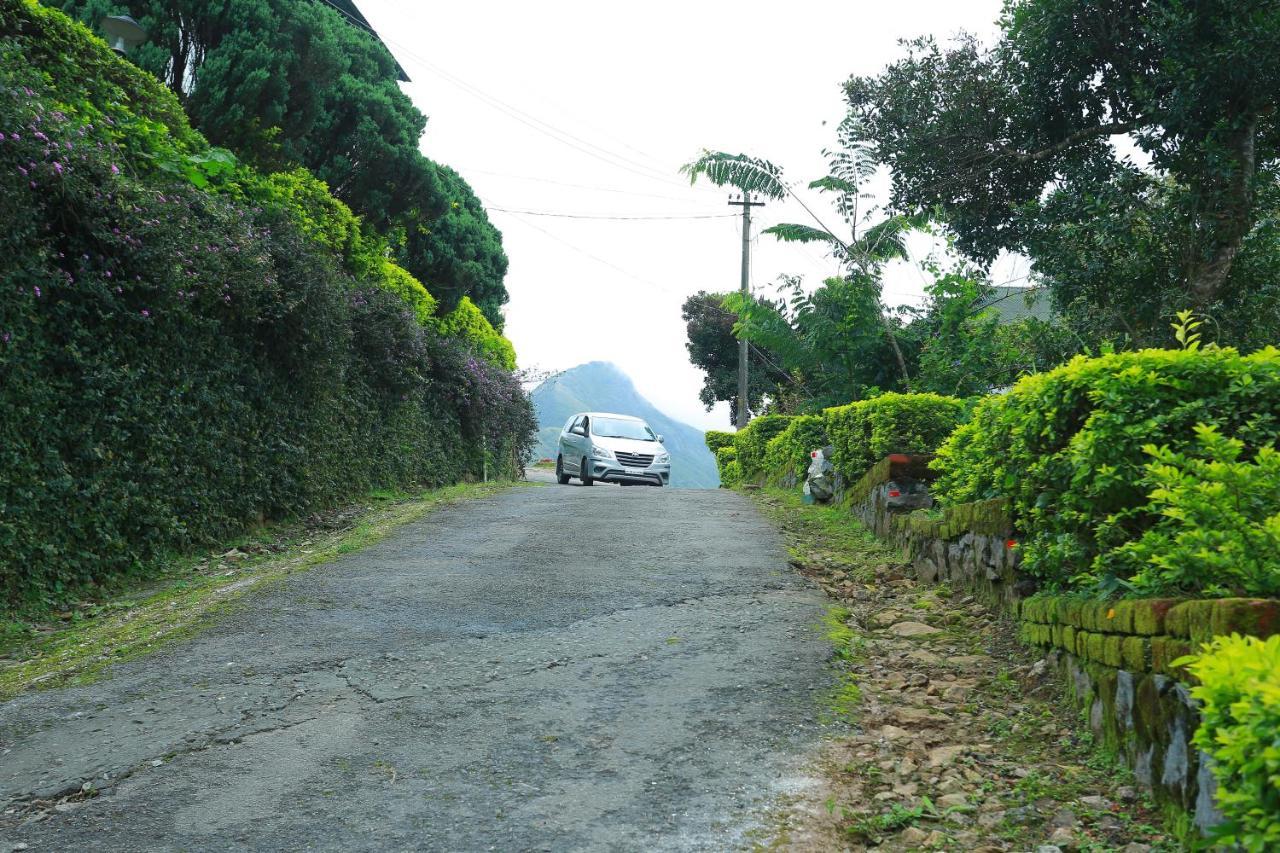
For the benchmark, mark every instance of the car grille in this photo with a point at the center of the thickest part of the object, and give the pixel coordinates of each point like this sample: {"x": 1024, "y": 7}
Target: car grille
{"x": 634, "y": 460}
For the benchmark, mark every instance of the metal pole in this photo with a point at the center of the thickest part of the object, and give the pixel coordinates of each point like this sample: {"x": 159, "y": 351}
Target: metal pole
{"x": 746, "y": 292}
{"x": 746, "y": 204}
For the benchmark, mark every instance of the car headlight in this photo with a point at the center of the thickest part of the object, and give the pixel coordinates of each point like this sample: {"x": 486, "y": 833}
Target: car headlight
{"x": 601, "y": 452}
{"x": 663, "y": 458}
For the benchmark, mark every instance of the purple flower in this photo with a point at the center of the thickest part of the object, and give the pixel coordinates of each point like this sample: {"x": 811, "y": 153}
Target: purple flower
{"x": 40, "y": 135}
{"x": 2, "y": 137}
{"x": 36, "y": 290}
{"x": 23, "y": 171}
{"x": 5, "y": 337}
{"x": 146, "y": 313}
{"x": 115, "y": 170}
{"x": 108, "y": 273}
{"x": 16, "y": 138}
{"x": 34, "y": 185}
{"x": 57, "y": 167}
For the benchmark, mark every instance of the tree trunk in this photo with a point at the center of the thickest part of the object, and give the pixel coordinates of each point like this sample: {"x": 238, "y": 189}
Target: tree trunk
{"x": 893, "y": 342}
{"x": 1232, "y": 219}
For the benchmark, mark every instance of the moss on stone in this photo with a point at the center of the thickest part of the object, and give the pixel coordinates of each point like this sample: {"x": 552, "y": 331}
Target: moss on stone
{"x": 1248, "y": 616}
{"x": 1165, "y": 650}
{"x": 1095, "y": 647}
{"x": 1113, "y": 650}
{"x": 1071, "y": 610}
{"x": 1120, "y": 617}
{"x": 1134, "y": 653}
{"x": 1149, "y": 615}
{"x": 1068, "y": 638}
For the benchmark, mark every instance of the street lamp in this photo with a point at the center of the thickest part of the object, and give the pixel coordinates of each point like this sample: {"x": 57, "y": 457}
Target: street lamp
{"x": 123, "y": 33}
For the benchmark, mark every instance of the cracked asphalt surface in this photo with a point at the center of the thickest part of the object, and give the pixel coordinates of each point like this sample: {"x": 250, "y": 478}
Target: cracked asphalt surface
{"x": 554, "y": 668}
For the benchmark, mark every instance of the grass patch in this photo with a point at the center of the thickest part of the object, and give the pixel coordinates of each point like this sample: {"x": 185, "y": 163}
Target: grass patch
{"x": 194, "y": 591}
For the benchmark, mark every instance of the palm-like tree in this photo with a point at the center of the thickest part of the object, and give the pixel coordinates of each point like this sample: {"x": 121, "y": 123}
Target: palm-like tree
{"x": 850, "y": 165}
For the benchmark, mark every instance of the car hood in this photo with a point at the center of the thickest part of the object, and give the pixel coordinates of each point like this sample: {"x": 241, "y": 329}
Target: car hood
{"x": 629, "y": 445}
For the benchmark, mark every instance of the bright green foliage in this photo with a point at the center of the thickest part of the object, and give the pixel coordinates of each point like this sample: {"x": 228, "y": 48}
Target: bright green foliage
{"x": 1218, "y": 528}
{"x": 751, "y": 442}
{"x": 468, "y": 324}
{"x": 179, "y": 362}
{"x": 727, "y": 462}
{"x": 1239, "y": 694}
{"x": 1066, "y": 448}
{"x": 788, "y": 451}
{"x": 716, "y": 439}
{"x": 395, "y": 280}
{"x": 864, "y": 432}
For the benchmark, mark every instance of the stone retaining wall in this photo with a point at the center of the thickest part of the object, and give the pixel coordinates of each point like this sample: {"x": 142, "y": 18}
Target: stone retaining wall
{"x": 1117, "y": 657}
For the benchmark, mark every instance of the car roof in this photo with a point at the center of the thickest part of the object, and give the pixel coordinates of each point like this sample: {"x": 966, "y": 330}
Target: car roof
{"x": 609, "y": 415}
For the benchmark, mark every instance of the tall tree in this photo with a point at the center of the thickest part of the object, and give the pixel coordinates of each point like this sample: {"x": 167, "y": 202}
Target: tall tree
{"x": 296, "y": 82}
{"x": 1016, "y": 146}
{"x": 713, "y": 349}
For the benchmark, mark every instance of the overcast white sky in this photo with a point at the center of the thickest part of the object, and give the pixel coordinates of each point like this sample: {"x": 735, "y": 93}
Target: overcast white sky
{"x": 589, "y": 109}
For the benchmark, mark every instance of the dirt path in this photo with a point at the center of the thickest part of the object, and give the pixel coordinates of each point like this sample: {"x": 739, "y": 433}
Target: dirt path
{"x": 553, "y": 668}
{"x": 963, "y": 741}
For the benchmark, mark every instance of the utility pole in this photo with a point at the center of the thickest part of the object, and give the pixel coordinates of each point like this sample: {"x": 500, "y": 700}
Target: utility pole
{"x": 744, "y": 201}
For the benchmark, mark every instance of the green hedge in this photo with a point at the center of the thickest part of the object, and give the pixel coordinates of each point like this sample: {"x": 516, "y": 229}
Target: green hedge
{"x": 187, "y": 347}
{"x": 1126, "y": 448}
{"x": 864, "y": 432}
{"x": 727, "y": 463}
{"x": 788, "y": 451}
{"x": 716, "y": 439}
{"x": 1239, "y": 694}
{"x": 752, "y": 441}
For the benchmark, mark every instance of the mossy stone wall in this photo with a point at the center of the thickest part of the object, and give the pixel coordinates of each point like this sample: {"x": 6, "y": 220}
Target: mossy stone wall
{"x": 1117, "y": 657}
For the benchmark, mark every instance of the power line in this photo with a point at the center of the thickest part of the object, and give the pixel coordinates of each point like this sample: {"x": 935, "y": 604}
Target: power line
{"x": 547, "y": 129}
{"x": 590, "y": 187}
{"x": 609, "y": 217}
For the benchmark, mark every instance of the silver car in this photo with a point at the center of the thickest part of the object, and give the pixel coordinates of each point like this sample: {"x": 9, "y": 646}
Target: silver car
{"x": 613, "y": 449}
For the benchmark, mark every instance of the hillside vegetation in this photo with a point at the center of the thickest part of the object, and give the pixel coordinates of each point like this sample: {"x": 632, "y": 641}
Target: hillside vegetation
{"x": 189, "y": 345}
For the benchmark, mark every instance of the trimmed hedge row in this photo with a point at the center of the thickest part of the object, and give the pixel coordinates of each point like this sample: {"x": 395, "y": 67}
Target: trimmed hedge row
{"x": 188, "y": 347}
{"x": 716, "y": 439}
{"x": 788, "y": 451}
{"x": 727, "y": 462}
{"x": 752, "y": 441}
{"x": 864, "y": 432}
{"x": 1150, "y": 472}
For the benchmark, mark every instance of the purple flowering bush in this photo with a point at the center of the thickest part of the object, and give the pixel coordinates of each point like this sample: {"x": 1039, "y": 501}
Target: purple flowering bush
{"x": 178, "y": 363}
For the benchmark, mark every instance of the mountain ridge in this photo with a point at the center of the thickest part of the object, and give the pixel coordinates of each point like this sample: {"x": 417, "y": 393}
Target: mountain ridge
{"x": 601, "y": 386}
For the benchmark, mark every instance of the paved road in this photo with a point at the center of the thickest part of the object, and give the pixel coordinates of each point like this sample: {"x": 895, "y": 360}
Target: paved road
{"x": 553, "y": 668}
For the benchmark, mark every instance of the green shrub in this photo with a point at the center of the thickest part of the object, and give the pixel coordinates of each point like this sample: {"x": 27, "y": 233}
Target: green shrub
{"x": 752, "y": 440}
{"x": 468, "y": 323}
{"x": 788, "y": 451}
{"x": 177, "y": 363}
{"x": 1217, "y": 528}
{"x": 864, "y": 432}
{"x": 1066, "y": 447}
{"x": 727, "y": 463}
{"x": 716, "y": 439}
{"x": 1239, "y": 693}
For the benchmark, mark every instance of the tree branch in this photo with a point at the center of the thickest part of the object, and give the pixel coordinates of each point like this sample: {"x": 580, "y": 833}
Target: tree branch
{"x": 1079, "y": 136}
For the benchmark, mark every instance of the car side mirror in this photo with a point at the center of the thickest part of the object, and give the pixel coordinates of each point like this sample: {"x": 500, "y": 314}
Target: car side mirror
{"x": 659, "y": 439}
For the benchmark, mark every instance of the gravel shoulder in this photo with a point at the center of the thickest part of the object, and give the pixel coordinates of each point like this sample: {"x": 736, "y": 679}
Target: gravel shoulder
{"x": 556, "y": 668}
{"x": 963, "y": 740}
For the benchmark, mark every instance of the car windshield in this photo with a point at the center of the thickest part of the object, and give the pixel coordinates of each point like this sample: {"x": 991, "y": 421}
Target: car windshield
{"x": 613, "y": 428}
